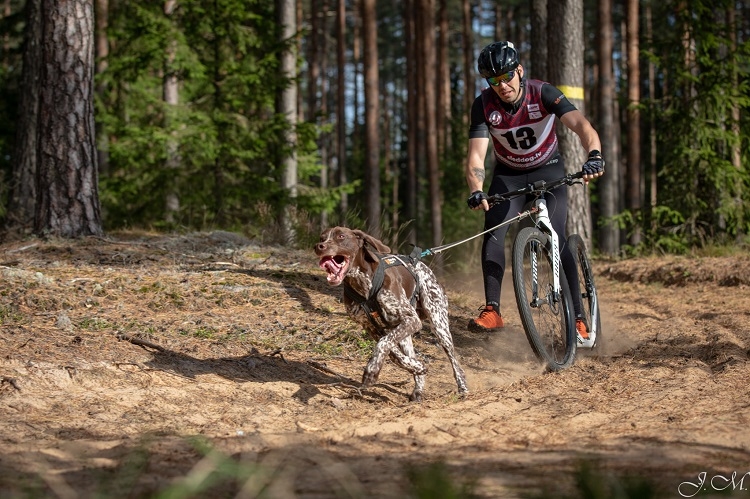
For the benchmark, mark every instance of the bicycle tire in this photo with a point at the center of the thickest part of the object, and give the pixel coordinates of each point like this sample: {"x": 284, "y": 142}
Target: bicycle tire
{"x": 548, "y": 320}
{"x": 589, "y": 297}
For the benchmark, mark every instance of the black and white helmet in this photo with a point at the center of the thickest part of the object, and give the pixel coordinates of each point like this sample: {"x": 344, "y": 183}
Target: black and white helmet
{"x": 497, "y": 58}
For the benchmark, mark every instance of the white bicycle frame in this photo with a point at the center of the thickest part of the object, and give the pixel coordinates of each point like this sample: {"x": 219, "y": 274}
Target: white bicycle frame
{"x": 543, "y": 221}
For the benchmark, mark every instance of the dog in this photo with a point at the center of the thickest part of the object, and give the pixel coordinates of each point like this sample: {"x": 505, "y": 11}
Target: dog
{"x": 389, "y": 295}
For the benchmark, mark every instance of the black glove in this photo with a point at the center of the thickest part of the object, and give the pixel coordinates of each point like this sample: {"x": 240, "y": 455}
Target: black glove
{"x": 475, "y": 200}
{"x": 594, "y": 165}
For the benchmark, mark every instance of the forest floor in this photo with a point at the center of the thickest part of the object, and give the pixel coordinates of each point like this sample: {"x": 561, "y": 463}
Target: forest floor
{"x": 203, "y": 365}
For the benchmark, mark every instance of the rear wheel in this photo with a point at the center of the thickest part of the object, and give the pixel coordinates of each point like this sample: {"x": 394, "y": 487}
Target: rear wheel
{"x": 588, "y": 290}
{"x": 547, "y": 316}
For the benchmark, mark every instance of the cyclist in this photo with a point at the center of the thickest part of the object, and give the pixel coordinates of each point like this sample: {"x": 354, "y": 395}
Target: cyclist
{"x": 519, "y": 115}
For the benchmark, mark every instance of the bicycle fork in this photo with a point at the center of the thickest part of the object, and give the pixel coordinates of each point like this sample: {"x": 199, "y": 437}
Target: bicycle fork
{"x": 542, "y": 220}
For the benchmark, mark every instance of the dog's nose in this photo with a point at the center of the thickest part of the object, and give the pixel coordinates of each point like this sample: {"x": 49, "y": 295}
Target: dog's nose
{"x": 320, "y": 247}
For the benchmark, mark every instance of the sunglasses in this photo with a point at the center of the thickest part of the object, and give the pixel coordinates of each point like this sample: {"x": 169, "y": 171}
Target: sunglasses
{"x": 504, "y": 78}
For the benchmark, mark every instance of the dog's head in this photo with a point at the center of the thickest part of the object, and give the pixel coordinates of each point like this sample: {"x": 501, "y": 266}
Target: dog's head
{"x": 341, "y": 249}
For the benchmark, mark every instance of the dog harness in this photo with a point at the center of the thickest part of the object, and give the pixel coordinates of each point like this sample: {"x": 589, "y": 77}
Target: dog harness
{"x": 370, "y": 303}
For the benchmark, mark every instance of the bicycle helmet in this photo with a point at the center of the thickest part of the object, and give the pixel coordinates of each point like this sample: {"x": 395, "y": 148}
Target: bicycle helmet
{"x": 497, "y": 58}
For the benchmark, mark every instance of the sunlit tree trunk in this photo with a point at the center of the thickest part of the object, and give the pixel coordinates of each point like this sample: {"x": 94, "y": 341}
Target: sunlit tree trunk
{"x": 372, "y": 118}
{"x": 634, "y": 195}
{"x": 565, "y": 67}
{"x": 317, "y": 90}
{"x": 609, "y": 232}
{"x": 67, "y": 178}
{"x": 288, "y": 108}
{"x": 171, "y": 95}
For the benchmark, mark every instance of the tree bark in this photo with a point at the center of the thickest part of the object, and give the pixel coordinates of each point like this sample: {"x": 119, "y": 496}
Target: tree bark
{"x": 539, "y": 40}
{"x": 609, "y": 232}
{"x": 565, "y": 66}
{"x": 372, "y": 118}
{"x": 23, "y": 188}
{"x": 412, "y": 118}
{"x": 288, "y": 108}
{"x": 68, "y": 198}
{"x": 427, "y": 19}
{"x": 634, "y": 196}
{"x": 443, "y": 117}
{"x": 102, "y": 53}
{"x": 341, "y": 105}
{"x": 171, "y": 95}
{"x": 469, "y": 60}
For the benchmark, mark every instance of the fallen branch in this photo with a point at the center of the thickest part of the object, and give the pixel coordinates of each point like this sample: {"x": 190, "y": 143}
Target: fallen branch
{"x": 140, "y": 342}
{"x": 322, "y": 367}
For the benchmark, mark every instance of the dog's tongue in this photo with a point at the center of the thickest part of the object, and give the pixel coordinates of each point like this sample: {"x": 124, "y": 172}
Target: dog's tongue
{"x": 331, "y": 267}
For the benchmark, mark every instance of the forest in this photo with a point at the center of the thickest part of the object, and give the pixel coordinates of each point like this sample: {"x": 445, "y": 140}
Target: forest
{"x": 275, "y": 119}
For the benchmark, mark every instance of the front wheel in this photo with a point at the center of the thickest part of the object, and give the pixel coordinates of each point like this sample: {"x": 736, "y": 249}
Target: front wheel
{"x": 547, "y": 316}
{"x": 589, "y": 300}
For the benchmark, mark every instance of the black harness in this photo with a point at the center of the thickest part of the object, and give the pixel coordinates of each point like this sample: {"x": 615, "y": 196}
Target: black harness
{"x": 370, "y": 303}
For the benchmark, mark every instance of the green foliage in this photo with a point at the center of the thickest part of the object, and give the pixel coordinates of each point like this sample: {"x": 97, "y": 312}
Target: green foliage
{"x": 694, "y": 124}
{"x": 667, "y": 231}
{"x": 218, "y": 149}
{"x": 433, "y": 481}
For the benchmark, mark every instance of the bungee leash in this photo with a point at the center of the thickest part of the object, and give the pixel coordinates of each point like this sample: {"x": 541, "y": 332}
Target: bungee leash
{"x": 439, "y": 249}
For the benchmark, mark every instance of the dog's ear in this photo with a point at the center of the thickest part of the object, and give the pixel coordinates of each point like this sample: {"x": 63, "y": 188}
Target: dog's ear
{"x": 370, "y": 241}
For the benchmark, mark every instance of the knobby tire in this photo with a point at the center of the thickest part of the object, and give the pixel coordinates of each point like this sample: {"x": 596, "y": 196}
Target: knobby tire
{"x": 549, "y": 321}
{"x": 589, "y": 298}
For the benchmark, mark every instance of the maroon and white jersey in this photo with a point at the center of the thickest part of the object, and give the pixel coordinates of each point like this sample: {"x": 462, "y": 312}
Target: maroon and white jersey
{"x": 523, "y": 135}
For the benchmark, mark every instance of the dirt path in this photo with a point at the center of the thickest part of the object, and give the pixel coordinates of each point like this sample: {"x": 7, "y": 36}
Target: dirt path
{"x": 249, "y": 386}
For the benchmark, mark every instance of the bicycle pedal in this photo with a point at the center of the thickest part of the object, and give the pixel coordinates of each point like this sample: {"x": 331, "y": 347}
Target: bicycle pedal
{"x": 586, "y": 343}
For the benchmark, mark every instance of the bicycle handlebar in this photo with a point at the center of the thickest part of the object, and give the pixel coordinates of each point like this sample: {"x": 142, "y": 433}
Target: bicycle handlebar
{"x": 539, "y": 187}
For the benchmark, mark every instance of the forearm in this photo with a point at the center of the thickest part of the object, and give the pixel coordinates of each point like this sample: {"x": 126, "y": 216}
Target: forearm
{"x": 474, "y": 168}
{"x": 582, "y": 127}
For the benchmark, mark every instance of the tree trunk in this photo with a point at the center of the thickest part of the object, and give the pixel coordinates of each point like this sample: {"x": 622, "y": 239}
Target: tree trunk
{"x": 609, "y": 232}
{"x": 171, "y": 95}
{"x": 634, "y": 196}
{"x": 735, "y": 149}
{"x": 23, "y": 193}
{"x": 469, "y": 61}
{"x": 565, "y": 66}
{"x": 412, "y": 113}
{"x": 68, "y": 197}
{"x": 102, "y": 52}
{"x": 372, "y": 118}
{"x": 443, "y": 117}
{"x": 652, "y": 116}
{"x": 539, "y": 40}
{"x": 341, "y": 105}
{"x": 288, "y": 108}
{"x": 427, "y": 18}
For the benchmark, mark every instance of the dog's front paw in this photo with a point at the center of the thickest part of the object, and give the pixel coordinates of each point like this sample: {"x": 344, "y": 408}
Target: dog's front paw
{"x": 416, "y": 396}
{"x": 369, "y": 378}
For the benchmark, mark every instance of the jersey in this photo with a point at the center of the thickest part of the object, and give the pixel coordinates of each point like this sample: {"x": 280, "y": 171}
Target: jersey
{"x": 523, "y": 135}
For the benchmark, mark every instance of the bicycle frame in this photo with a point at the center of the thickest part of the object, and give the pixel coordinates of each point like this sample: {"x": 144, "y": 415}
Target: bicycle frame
{"x": 540, "y": 216}
{"x": 542, "y": 221}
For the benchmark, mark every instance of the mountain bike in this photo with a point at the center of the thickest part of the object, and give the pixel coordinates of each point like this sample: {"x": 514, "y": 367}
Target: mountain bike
{"x": 543, "y": 296}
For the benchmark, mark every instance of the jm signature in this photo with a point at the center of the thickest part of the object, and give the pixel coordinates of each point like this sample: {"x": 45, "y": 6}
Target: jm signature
{"x": 715, "y": 482}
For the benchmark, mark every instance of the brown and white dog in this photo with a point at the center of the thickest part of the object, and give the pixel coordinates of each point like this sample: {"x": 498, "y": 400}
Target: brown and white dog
{"x": 391, "y": 305}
